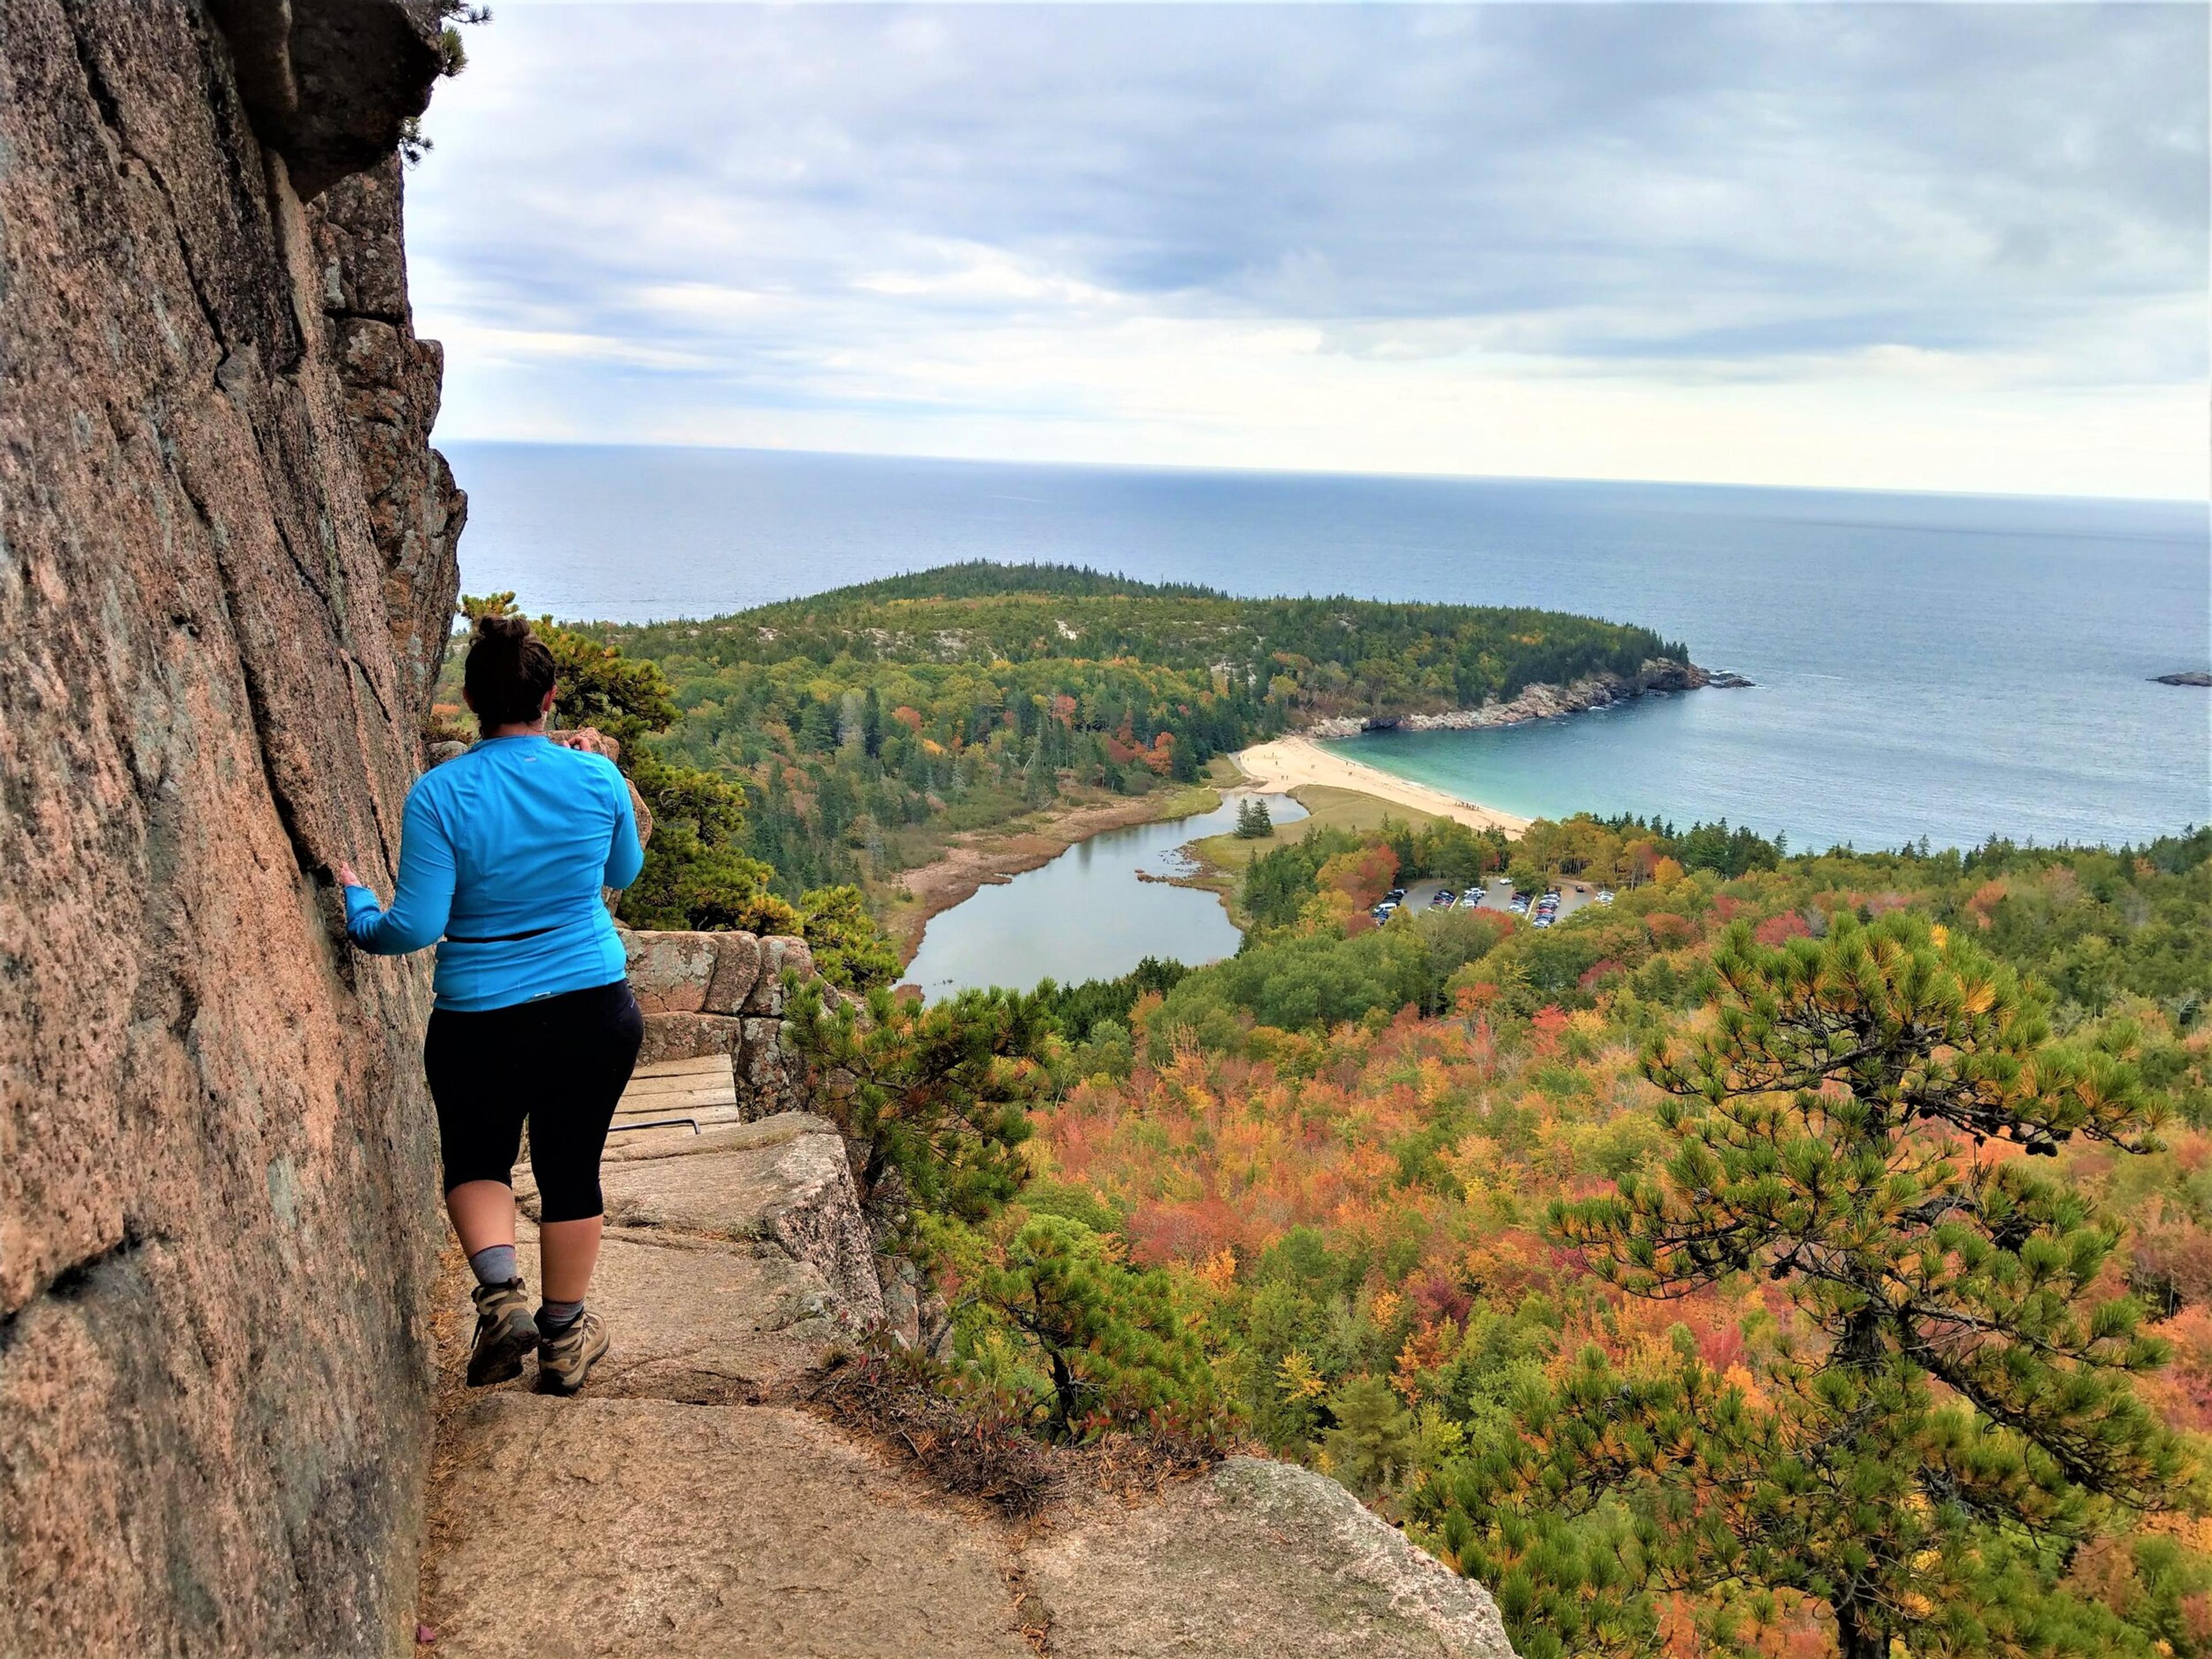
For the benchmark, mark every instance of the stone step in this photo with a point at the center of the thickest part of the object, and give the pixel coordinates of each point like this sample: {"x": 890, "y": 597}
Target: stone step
{"x": 713, "y": 1074}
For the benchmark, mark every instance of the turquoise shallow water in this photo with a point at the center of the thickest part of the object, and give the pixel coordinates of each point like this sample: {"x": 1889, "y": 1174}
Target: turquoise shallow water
{"x": 1947, "y": 666}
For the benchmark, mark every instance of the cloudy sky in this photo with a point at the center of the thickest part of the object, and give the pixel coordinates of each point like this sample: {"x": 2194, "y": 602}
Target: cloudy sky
{"x": 1875, "y": 246}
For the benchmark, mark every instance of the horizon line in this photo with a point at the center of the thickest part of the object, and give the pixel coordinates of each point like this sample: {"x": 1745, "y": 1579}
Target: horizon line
{"x": 2204, "y": 500}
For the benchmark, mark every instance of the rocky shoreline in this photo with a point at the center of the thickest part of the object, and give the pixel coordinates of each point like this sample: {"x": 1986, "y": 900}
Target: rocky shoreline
{"x": 1659, "y": 676}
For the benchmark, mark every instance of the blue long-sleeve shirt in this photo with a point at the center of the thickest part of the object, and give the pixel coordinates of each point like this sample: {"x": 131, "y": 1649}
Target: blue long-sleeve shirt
{"x": 503, "y": 851}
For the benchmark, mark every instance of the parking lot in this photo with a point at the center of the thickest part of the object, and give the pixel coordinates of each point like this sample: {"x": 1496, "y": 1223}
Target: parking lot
{"x": 1421, "y": 896}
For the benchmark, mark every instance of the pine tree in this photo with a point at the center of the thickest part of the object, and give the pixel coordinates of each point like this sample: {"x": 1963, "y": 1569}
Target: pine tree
{"x": 939, "y": 1093}
{"x": 1038, "y": 782}
{"x": 872, "y": 724}
{"x": 1117, "y": 1352}
{"x": 1373, "y": 1439}
{"x": 1955, "y": 1417}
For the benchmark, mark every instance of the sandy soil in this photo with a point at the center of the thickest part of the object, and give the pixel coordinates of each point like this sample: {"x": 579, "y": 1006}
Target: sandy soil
{"x": 990, "y": 858}
{"x": 1288, "y": 763}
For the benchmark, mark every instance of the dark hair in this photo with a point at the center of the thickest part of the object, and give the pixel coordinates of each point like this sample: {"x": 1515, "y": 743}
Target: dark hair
{"x": 508, "y": 672}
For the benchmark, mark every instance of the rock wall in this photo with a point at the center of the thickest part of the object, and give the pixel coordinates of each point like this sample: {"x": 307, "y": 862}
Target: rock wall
{"x": 721, "y": 993}
{"x": 226, "y": 556}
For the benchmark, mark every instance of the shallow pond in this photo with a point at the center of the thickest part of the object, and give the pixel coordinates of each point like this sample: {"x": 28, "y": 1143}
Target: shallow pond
{"x": 1086, "y": 915}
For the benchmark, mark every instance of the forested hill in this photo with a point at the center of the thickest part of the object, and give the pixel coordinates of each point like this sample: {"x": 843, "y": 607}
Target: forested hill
{"x": 1319, "y": 656}
{"x": 868, "y": 725}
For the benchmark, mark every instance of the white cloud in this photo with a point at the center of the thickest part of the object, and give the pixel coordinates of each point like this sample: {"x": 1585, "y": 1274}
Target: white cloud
{"x": 1920, "y": 248}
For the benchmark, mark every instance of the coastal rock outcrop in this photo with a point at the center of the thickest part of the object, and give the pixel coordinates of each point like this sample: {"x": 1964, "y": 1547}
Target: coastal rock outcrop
{"x": 224, "y": 549}
{"x": 2185, "y": 677}
{"x": 1658, "y": 677}
{"x": 1256, "y": 1560}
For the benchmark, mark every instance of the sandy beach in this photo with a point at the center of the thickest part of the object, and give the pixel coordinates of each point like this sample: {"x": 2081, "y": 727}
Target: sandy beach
{"x": 1287, "y": 762}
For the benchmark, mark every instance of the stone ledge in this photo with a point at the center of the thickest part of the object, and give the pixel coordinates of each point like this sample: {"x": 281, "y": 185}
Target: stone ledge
{"x": 1260, "y": 1559}
{"x": 700, "y": 1532}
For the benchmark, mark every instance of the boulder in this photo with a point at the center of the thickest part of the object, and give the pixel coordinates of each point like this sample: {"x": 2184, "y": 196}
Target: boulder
{"x": 736, "y": 970}
{"x": 687, "y": 1036}
{"x": 779, "y": 955}
{"x": 671, "y": 973}
{"x": 1257, "y": 1560}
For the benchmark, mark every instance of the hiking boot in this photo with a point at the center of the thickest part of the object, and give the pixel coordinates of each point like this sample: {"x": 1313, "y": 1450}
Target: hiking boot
{"x": 505, "y": 1332}
{"x": 564, "y": 1360}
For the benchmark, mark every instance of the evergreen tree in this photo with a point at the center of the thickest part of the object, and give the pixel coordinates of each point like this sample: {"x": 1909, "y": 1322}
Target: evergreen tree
{"x": 1373, "y": 1440}
{"x": 1951, "y": 1416}
{"x": 846, "y": 948}
{"x": 937, "y": 1093}
{"x": 872, "y": 724}
{"x": 1116, "y": 1353}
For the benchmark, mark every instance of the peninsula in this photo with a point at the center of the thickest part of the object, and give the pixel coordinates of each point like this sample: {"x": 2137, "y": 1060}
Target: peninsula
{"x": 917, "y": 736}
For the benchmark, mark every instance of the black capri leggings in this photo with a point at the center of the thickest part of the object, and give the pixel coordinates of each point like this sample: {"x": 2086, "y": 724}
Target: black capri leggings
{"x": 562, "y": 1062}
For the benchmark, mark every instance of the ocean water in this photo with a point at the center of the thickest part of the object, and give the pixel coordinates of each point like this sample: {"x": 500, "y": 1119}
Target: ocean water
{"x": 1949, "y": 666}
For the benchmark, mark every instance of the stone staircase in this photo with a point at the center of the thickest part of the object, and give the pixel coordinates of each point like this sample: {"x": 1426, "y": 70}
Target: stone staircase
{"x": 683, "y": 1507}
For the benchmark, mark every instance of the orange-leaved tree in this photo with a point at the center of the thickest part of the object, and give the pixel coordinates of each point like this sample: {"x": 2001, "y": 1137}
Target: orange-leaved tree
{"x": 1950, "y": 1416}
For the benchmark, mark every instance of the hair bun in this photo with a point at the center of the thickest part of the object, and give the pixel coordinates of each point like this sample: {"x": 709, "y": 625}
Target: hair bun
{"x": 512, "y": 627}
{"x": 509, "y": 673}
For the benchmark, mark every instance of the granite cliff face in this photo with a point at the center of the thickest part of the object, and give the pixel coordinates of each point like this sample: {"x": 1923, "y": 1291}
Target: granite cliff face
{"x": 226, "y": 558}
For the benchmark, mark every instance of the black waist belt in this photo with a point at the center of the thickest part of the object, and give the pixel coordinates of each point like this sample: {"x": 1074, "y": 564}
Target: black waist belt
{"x": 499, "y": 939}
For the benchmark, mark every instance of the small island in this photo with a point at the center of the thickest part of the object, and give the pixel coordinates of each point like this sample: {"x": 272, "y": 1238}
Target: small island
{"x": 2186, "y": 676}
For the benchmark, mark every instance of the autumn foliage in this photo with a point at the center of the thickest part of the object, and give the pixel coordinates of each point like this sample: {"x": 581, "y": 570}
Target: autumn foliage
{"x": 1719, "y": 1273}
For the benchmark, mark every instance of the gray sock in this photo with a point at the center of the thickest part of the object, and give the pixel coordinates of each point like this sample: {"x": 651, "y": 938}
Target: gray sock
{"x": 555, "y": 1317}
{"x": 494, "y": 1265}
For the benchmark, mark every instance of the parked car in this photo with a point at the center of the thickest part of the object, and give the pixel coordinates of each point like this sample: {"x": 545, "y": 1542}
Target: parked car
{"x": 1605, "y": 896}
{"x": 1443, "y": 898}
{"x": 1396, "y": 896}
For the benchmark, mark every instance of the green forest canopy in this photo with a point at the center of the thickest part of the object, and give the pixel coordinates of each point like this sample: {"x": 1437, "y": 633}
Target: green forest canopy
{"x": 870, "y": 721}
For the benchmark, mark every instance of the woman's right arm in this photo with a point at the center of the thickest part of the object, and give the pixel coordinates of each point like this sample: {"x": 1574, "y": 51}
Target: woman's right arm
{"x": 424, "y": 896}
{"x": 625, "y": 853}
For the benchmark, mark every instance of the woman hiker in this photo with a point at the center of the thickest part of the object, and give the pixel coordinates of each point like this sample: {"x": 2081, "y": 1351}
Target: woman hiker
{"x": 503, "y": 851}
